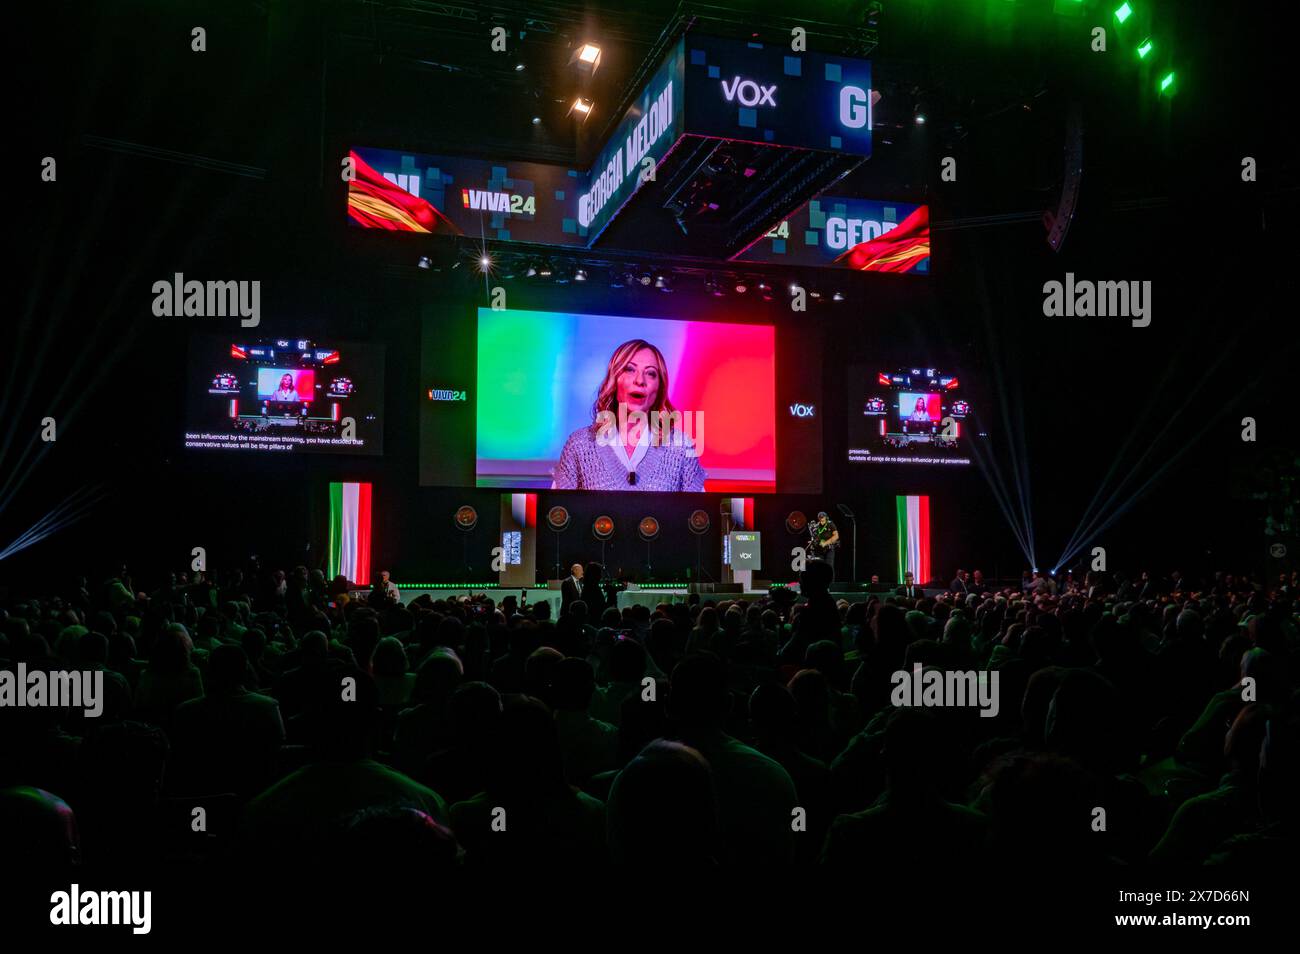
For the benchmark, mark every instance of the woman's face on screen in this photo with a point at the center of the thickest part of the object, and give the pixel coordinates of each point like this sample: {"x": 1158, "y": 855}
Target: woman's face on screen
{"x": 286, "y": 381}
{"x": 638, "y": 381}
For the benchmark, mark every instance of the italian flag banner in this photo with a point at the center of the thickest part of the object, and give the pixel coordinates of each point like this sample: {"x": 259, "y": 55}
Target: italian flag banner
{"x": 350, "y": 532}
{"x": 914, "y": 538}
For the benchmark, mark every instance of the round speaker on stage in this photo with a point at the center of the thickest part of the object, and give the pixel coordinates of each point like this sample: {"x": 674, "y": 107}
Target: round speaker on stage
{"x": 698, "y": 522}
{"x": 603, "y": 527}
{"x": 648, "y": 528}
{"x": 557, "y": 518}
{"x": 796, "y": 522}
{"x": 466, "y": 518}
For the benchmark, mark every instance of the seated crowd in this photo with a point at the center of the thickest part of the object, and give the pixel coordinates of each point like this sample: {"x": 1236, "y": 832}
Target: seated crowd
{"x": 305, "y": 724}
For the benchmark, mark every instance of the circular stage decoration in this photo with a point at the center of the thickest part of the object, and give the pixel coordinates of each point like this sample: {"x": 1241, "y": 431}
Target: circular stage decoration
{"x": 698, "y": 522}
{"x": 648, "y": 528}
{"x": 466, "y": 518}
{"x": 796, "y": 522}
{"x": 603, "y": 527}
{"x": 557, "y": 518}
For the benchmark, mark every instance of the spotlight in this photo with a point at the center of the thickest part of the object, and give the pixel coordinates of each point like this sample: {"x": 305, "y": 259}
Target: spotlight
{"x": 532, "y": 270}
{"x": 1167, "y": 84}
{"x": 645, "y": 278}
{"x": 713, "y": 287}
{"x": 765, "y": 290}
{"x": 586, "y": 58}
{"x": 485, "y": 263}
{"x": 1146, "y": 47}
{"x": 519, "y": 67}
{"x": 581, "y": 109}
{"x": 424, "y": 262}
{"x": 919, "y": 117}
{"x": 838, "y": 296}
{"x": 547, "y": 270}
{"x": 579, "y": 274}
{"x": 537, "y": 120}
{"x": 617, "y": 278}
{"x": 742, "y": 286}
{"x": 663, "y": 282}
{"x": 1123, "y": 13}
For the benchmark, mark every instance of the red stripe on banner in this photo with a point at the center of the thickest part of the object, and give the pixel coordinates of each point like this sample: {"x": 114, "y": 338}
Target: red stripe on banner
{"x": 531, "y": 511}
{"x": 363, "y": 535}
{"x": 923, "y": 531}
{"x": 749, "y": 513}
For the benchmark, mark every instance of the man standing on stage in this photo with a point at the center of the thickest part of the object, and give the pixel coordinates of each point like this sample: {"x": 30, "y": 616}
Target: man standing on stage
{"x": 571, "y": 588}
{"x": 385, "y": 589}
{"x": 825, "y": 540}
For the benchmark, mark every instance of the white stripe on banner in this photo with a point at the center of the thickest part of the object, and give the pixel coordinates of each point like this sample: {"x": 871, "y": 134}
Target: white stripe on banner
{"x": 351, "y": 499}
{"x": 914, "y": 536}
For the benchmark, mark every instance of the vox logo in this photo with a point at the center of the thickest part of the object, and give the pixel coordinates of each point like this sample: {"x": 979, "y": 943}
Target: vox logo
{"x": 748, "y": 93}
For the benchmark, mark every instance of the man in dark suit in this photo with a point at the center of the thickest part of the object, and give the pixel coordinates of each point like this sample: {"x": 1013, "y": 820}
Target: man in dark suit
{"x": 909, "y": 589}
{"x": 571, "y": 588}
{"x": 958, "y": 584}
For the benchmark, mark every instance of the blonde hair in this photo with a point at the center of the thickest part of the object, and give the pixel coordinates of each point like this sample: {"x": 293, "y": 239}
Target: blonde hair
{"x": 607, "y": 396}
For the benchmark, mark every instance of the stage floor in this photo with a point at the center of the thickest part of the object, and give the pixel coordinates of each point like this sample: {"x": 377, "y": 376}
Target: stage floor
{"x": 632, "y": 596}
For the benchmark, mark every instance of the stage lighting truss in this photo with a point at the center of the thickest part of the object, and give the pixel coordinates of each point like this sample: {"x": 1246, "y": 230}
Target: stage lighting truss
{"x": 603, "y": 527}
{"x": 699, "y": 521}
{"x": 466, "y": 518}
{"x": 648, "y": 528}
{"x": 558, "y": 518}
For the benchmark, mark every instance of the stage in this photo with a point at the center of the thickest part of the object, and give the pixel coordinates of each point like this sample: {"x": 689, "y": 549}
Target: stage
{"x": 633, "y": 595}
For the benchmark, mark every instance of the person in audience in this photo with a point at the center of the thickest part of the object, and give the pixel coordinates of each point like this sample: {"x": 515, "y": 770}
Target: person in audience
{"x": 388, "y": 666}
{"x": 661, "y": 813}
{"x": 317, "y": 727}
{"x": 289, "y": 820}
{"x": 627, "y": 667}
{"x": 228, "y": 740}
{"x": 588, "y": 745}
{"x": 550, "y": 823}
{"x": 755, "y": 795}
{"x": 39, "y": 828}
{"x": 171, "y": 676}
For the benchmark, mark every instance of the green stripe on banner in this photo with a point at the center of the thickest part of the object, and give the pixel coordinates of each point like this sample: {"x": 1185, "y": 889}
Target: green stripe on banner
{"x": 336, "y": 529}
{"x": 901, "y": 507}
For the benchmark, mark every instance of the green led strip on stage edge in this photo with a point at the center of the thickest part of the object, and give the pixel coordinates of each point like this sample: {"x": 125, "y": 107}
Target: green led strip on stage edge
{"x": 448, "y": 586}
